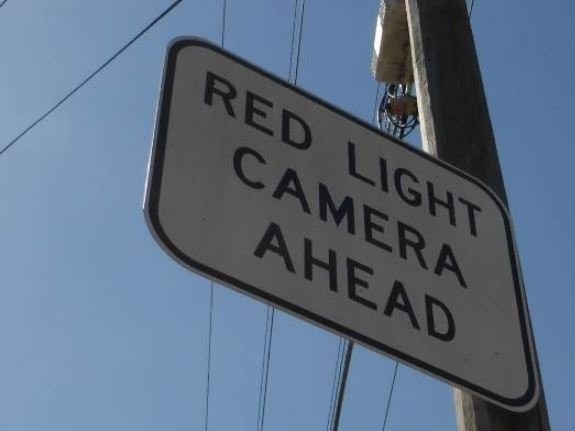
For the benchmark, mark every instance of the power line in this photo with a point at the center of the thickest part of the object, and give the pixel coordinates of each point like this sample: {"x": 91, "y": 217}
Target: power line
{"x": 349, "y": 345}
{"x": 224, "y": 8}
{"x": 299, "y": 40}
{"x": 90, "y": 77}
{"x": 336, "y": 386}
{"x": 263, "y": 373}
{"x": 266, "y": 355}
{"x": 210, "y": 326}
{"x": 348, "y": 349}
{"x": 209, "y": 361}
{"x": 293, "y": 31}
{"x": 3, "y": 3}
{"x": 390, "y": 395}
{"x": 335, "y": 383}
{"x": 271, "y": 310}
{"x": 272, "y": 314}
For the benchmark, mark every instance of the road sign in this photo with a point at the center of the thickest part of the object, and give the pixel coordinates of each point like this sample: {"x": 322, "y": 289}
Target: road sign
{"x": 268, "y": 190}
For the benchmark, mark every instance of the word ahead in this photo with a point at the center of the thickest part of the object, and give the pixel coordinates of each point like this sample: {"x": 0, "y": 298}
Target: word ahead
{"x": 265, "y": 188}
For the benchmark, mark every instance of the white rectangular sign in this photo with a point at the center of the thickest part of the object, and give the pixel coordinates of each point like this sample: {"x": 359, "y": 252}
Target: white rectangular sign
{"x": 263, "y": 187}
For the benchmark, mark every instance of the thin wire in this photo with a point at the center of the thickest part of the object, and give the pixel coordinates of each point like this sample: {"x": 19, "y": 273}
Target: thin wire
{"x": 335, "y": 383}
{"x": 389, "y": 396}
{"x": 268, "y": 362}
{"x": 336, "y": 380}
{"x": 292, "y": 39}
{"x": 333, "y": 421}
{"x": 89, "y": 78}
{"x": 270, "y": 315}
{"x": 3, "y": 3}
{"x": 207, "y": 420}
{"x": 224, "y": 8}
{"x": 264, "y": 356}
{"x": 209, "y": 355}
{"x": 346, "y": 363}
{"x": 299, "y": 40}
{"x": 267, "y": 370}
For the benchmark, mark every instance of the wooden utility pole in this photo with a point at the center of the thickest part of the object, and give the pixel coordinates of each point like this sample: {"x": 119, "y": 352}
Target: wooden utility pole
{"x": 456, "y": 128}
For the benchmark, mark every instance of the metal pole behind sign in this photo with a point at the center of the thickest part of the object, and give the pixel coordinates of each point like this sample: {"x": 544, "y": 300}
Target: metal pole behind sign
{"x": 456, "y": 127}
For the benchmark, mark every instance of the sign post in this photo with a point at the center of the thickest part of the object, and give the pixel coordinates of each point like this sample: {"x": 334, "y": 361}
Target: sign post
{"x": 268, "y": 190}
{"x": 456, "y": 128}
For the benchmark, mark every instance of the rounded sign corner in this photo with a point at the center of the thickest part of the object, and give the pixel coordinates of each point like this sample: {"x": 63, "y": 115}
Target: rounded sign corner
{"x": 527, "y": 401}
{"x": 520, "y": 404}
{"x": 222, "y": 102}
{"x": 178, "y": 43}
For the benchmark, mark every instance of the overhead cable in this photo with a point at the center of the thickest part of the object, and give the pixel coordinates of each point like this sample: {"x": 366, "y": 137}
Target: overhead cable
{"x": 89, "y": 77}
{"x": 293, "y": 32}
{"x": 348, "y": 352}
{"x": 270, "y": 313}
{"x": 333, "y": 424}
{"x": 224, "y": 13}
{"x": 300, "y": 35}
{"x": 266, "y": 355}
{"x": 209, "y": 359}
{"x": 390, "y": 395}
{"x": 335, "y": 383}
{"x": 211, "y": 312}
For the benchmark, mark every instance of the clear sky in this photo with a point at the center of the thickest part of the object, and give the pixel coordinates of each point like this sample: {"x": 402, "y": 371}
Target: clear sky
{"x": 100, "y": 329}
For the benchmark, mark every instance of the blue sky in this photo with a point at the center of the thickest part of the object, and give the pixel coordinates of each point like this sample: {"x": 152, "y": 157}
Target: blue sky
{"x": 100, "y": 329}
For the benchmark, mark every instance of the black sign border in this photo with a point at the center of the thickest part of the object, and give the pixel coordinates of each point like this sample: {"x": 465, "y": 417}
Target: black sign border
{"x": 151, "y": 210}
